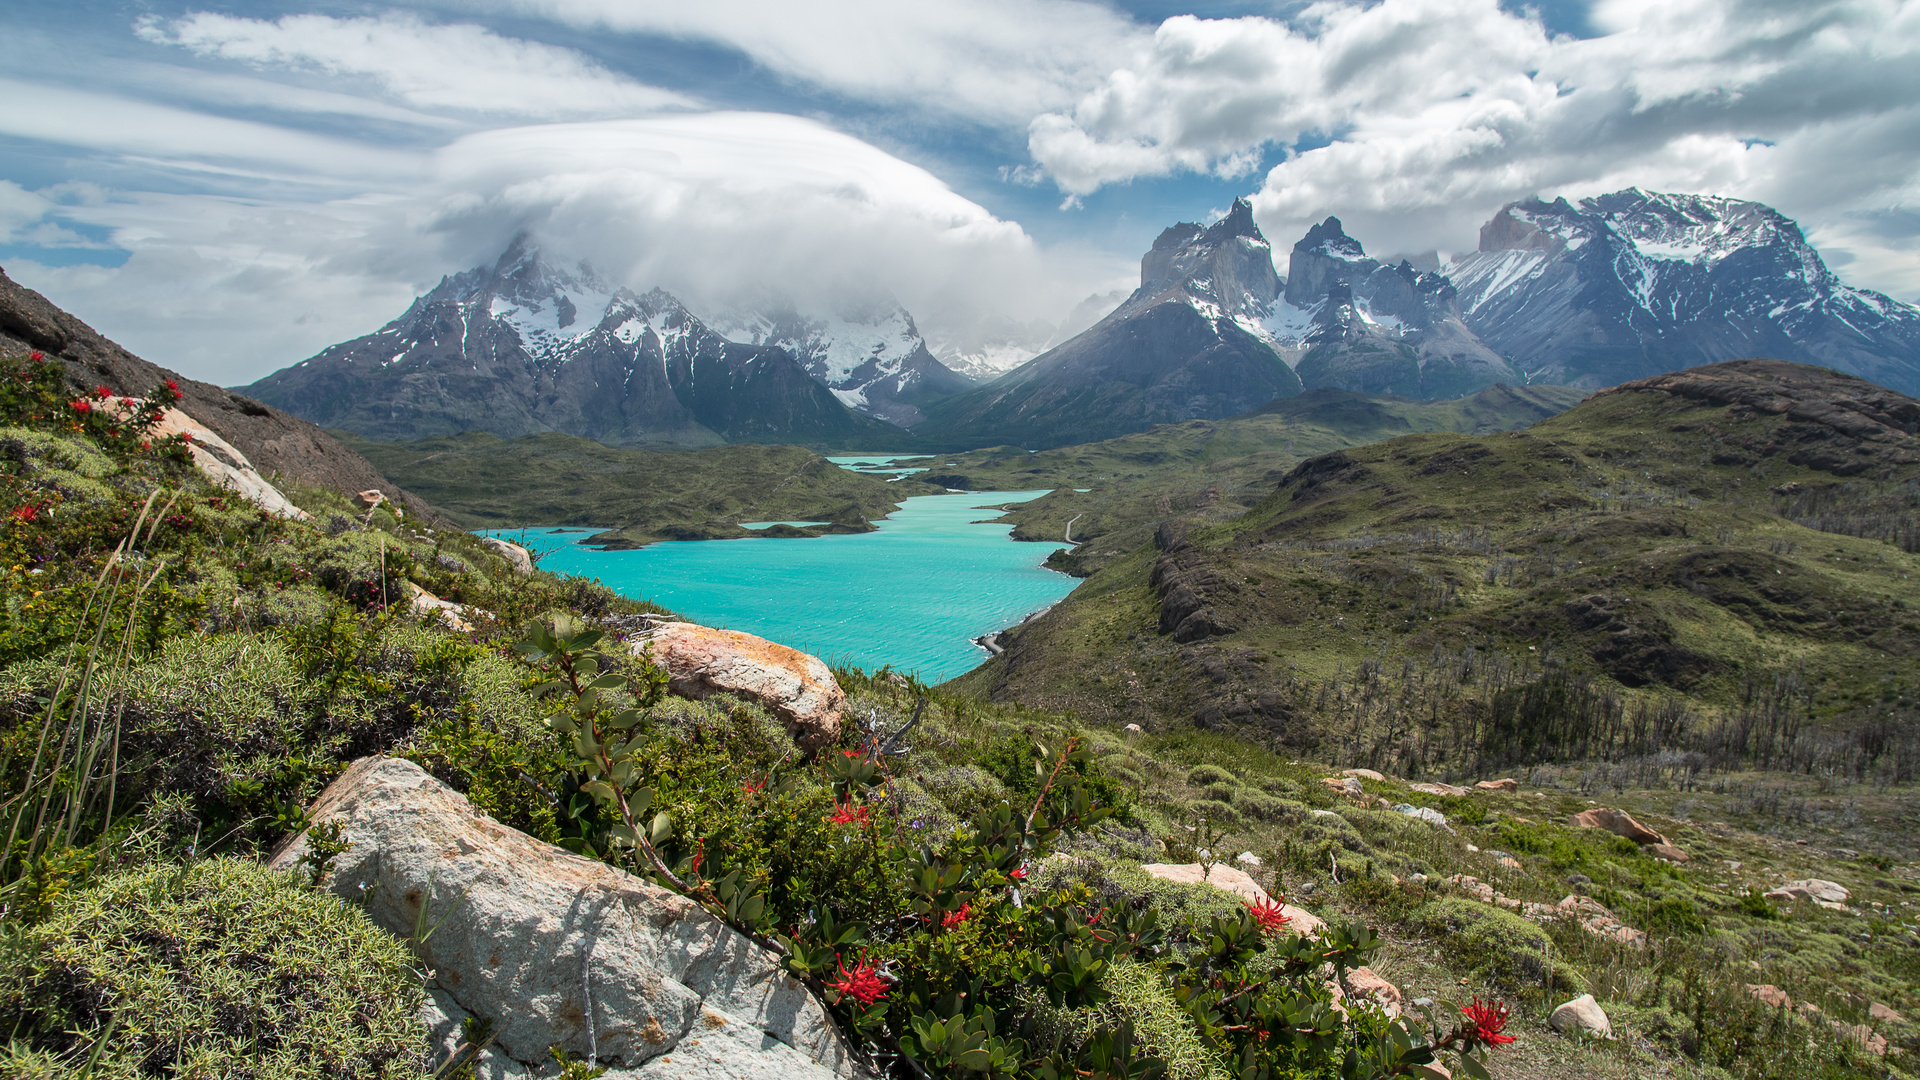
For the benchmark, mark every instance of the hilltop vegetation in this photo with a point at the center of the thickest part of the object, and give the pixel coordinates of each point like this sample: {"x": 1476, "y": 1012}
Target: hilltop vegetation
{"x": 638, "y": 496}
{"x": 1717, "y": 562}
{"x": 1114, "y": 492}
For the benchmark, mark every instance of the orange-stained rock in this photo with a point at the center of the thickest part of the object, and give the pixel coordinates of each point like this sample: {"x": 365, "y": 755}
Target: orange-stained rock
{"x": 1619, "y": 823}
{"x": 1363, "y": 982}
{"x": 1870, "y": 1040}
{"x": 1364, "y": 774}
{"x": 1343, "y": 785}
{"x": 1499, "y": 785}
{"x": 792, "y": 685}
{"x": 1770, "y": 995}
{"x": 1236, "y": 881}
{"x": 1668, "y": 852}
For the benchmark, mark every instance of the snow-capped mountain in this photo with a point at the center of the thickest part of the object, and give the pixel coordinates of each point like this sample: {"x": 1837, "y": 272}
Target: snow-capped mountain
{"x": 1632, "y": 284}
{"x": 1191, "y": 342}
{"x": 871, "y": 356}
{"x": 525, "y": 346}
{"x": 1353, "y": 322}
{"x": 992, "y": 345}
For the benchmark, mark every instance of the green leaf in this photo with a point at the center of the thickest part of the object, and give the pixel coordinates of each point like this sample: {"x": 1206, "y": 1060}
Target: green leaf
{"x": 662, "y": 829}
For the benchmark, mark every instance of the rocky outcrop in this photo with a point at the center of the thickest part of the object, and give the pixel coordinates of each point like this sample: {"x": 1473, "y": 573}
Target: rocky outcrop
{"x": 270, "y": 441}
{"x": 556, "y": 949}
{"x": 1438, "y": 789}
{"x": 1617, "y": 822}
{"x": 1239, "y": 883}
{"x": 517, "y": 557}
{"x": 227, "y": 467}
{"x": 795, "y": 687}
{"x": 1363, "y": 982}
{"x": 1829, "y": 894}
{"x": 1507, "y": 786}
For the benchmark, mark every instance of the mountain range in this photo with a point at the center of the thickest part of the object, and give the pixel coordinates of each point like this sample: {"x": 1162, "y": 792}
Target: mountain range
{"x": 1584, "y": 294}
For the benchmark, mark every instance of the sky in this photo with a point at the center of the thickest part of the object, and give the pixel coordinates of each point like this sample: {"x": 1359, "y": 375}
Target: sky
{"x": 226, "y": 188}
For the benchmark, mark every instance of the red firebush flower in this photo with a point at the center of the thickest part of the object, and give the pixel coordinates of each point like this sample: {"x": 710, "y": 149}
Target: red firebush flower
{"x": 175, "y": 387}
{"x": 845, "y": 813}
{"x": 82, "y": 405}
{"x": 956, "y": 918}
{"x": 753, "y": 787}
{"x": 1488, "y": 1020}
{"x": 863, "y": 984}
{"x": 102, "y": 393}
{"x": 37, "y": 356}
{"x": 1270, "y": 914}
{"x": 1018, "y": 874}
{"x": 28, "y": 512}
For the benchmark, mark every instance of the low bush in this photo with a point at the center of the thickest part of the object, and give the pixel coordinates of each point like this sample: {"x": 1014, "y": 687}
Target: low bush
{"x": 220, "y": 968}
{"x": 1203, "y": 775}
{"x": 1498, "y": 944}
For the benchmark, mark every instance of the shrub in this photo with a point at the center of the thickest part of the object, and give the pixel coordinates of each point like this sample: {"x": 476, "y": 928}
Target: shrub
{"x": 222, "y": 968}
{"x": 1226, "y": 793}
{"x": 1202, "y": 775}
{"x": 1500, "y": 945}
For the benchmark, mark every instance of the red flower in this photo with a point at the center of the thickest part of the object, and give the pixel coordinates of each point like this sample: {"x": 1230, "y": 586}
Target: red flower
{"x": 845, "y": 813}
{"x": 1488, "y": 1020}
{"x": 82, "y": 405}
{"x": 1018, "y": 874}
{"x": 863, "y": 984}
{"x": 102, "y": 393}
{"x": 37, "y": 356}
{"x": 25, "y": 513}
{"x": 175, "y": 387}
{"x": 955, "y": 918}
{"x": 1271, "y": 915}
{"x": 754, "y": 787}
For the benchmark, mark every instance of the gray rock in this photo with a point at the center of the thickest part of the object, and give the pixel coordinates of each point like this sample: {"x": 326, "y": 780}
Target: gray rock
{"x": 561, "y": 950}
{"x": 517, "y": 557}
{"x": 1581, "y": 1016}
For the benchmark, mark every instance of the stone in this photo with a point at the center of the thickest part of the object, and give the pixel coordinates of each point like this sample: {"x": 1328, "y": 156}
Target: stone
{"x": 1581, "y": 1016}
{"x": 219, "y": 461}
{"x": 1770, "y": 995}
{"x": 1878, "y": 1011}
{"x": 1667, "y": 852}
{"x": 424, "y": 603}
{"x": 1363, "y": 982}
{"x": 1617, "y": 822}
{"x": 1499, "y": 785}
{"x": 517, "y": 557}
{"x": 1870, "y": 1040}
{"x": 1134, "y": 729}
{"x": 795, "y": 687}
{"x": 1473, "y": 887}
{"x": 1425, "y": 813}
{"x": 1510, "y": 862}
{"x": 1343, "y": 785}
{"x": 1247, "y": 858}
{"x": 1238, "y": 883}
{"x": 1364, "y": 774}
{"x": 1593, "y": 917}
{"x": 1813, "y": 889}
{"x": 1438, "y": 789}
{"x": 546, "y": 943}
{"x": 370, "y": 498}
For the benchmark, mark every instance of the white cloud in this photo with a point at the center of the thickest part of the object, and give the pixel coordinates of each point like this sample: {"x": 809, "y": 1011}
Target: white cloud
{"x": 999, "y": 60}
{"x": 1435, "y": 112}
{"x": 458, "y": 67}
{"x": 228, "y": 289}
{"x": 716, "y": 203}
{"x": 161, "y": 133}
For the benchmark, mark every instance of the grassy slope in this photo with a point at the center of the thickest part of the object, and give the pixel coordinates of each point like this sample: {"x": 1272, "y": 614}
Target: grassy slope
{"x": 1212, "y": 469}
{"x": 1382, "y": 600}
{"x": 552, "y": 479}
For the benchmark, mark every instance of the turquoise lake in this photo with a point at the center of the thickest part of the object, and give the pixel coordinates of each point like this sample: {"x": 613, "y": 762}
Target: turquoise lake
{"x": 914, "y": 594}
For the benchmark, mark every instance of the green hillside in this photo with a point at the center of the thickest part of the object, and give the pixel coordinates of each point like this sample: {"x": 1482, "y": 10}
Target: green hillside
{"x": 1717, "y": 562}
{"x": 1210, "y": 470}
{"x": 639, "y": 496}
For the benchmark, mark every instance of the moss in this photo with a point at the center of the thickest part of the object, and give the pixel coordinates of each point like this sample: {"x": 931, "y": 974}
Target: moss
{"x": 218, "y": 969}
{"x": 1162, "y": 1027}
{"x": 965, "y": 790}
{"x": 1495, "y": 943}
{"x": 1221, "y": 814}
{"x": 72, "y": 467}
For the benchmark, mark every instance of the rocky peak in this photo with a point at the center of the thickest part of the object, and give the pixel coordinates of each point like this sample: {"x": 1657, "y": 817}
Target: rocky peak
{"x": 1323, "y": 257}
{"x": 1228, "y": 264}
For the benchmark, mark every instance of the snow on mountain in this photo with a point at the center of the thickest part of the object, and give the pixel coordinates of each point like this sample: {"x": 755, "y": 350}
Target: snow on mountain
{"x": 1631, "y": 284}
{"x": 871, "y": 355}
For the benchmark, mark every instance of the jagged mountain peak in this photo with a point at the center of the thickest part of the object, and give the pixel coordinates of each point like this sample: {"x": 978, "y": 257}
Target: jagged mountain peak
{"x": 1330, "y": 238}
{"x": 1633, "y": 283}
